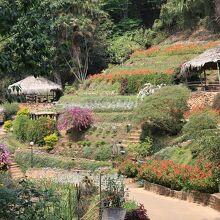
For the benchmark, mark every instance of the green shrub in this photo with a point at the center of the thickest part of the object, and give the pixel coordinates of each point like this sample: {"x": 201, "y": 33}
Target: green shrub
{"x": 8, "y": 125}
{"x": 39, "y": 129}
{"x": 20, "y": 127}
{"x": 141, "y": 150}
{"x": 207, "y": 147}
{"x": 120, "y": 47}
{"x": 103, "y": 153}
{"x": 130, "y": 205}
{"x": 26, "y": 129}
{"x": 88, "y": 152}
{"x": 10, "y": 109}
{"x": 128, "y": 169}
{"x": 23, "y": 111}
{"x": 136, "y": 82}
{"x": 200, "y": 121}
{"x": 164, "y": 110}
{"x": 51, "y": 141}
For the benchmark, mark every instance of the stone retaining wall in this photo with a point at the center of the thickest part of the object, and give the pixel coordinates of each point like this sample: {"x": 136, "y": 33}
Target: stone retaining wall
{"x": 211, "y": 200}
{"x": 38, "y": 106}
{"x": 201, "y": 99}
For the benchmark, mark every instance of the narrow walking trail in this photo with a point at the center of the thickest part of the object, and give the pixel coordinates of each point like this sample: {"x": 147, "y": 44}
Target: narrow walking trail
{"x": 165, "y": 208}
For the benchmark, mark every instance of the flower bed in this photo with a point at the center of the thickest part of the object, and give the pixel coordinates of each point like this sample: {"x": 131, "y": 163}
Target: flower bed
{"x": 201, "y": 177}
{"x": 175, "y": 49}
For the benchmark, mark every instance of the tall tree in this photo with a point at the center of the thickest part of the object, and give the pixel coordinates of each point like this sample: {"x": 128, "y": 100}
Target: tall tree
{"x": 40, "y": 32}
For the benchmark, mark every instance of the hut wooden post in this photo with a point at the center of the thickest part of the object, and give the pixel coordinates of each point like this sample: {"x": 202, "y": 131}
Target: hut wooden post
{"x": 218, "y": 67}
{"x": 205, "y": 79}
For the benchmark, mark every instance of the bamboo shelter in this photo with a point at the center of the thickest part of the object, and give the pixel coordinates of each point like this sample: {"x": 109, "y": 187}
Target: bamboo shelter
{"x": 209, "y": 60}
{"x": 36, "y": 89}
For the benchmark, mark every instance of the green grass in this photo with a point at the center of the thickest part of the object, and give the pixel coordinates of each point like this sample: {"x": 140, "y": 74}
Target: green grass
{"x": 157, "y": 63}
{"x": 23, "y": 158}
{"x": 177, "y": 154}
{"x": 114, "y": 117}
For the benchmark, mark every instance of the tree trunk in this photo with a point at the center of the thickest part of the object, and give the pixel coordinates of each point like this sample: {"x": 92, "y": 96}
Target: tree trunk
{"x": 217, "y": 3}
{"x": 57, "y": 78}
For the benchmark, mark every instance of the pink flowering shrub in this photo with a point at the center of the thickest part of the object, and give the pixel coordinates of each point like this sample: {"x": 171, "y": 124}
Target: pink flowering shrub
{"x": 4, "y": 157}
{"x": 77, "y": 118}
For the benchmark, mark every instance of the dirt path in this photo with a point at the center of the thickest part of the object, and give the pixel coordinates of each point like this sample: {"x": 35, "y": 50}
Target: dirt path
{"x": 165, "y": 208}
{"x": 2, "y": 130}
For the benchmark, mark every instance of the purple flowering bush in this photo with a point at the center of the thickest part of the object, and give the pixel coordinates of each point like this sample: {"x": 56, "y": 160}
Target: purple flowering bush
{"x": 4, "y": 157}
{"x": 77, "y": 118}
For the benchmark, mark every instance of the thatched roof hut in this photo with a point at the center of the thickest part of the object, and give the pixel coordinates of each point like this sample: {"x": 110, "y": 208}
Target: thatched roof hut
{"x": 210, "y": 59}
{"x": 32, "y": 85}
{"x": 36, "y": 89}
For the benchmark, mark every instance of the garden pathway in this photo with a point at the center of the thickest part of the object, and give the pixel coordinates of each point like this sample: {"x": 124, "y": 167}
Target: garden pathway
{"x": 165, "y": 208}
{"x": 2, "y": 130}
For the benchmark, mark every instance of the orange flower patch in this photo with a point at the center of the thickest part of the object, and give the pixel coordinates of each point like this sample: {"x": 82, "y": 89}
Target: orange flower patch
{"x": 176, "y": 49}
{"x": 153, "y": 51}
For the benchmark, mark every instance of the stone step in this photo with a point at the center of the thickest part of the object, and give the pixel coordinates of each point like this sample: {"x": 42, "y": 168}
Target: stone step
{"x": 13, "y": 164}
{"x": 132, "y": 141}
{"x": 134, "y": 138}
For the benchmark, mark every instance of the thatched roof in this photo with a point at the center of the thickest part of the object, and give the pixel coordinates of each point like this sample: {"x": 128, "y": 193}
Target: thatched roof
{"x": 32, "y": 85}
{"x": 205, "y": 61}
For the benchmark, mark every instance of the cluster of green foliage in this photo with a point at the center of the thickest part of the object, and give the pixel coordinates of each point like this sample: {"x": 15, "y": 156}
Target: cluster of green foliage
{"x": 40, "y": 35}
{"x": 199, "y": 122}
{"x": 202, "y": 130}
{"x": 10, "y": 109}
{"x": 51, "y": 141}
{"x": 23, "y": 111}
{"x": 164, "y": 110}
{"x": 8, "y": 125}
{"x": 187, "y": 14}
{"x": 180, "y": 155}
{"x": 141, "y": 150}
{"x": 26, "y": 129}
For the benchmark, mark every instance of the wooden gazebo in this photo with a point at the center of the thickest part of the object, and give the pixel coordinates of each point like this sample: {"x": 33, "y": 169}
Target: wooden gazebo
{"x": 209, "y": 60}
{"x": 36, "y": 89}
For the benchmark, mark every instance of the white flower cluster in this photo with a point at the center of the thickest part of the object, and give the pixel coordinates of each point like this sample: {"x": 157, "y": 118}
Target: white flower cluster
{"x": 114, "y": 106}
{"x": 149, "y": 89}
